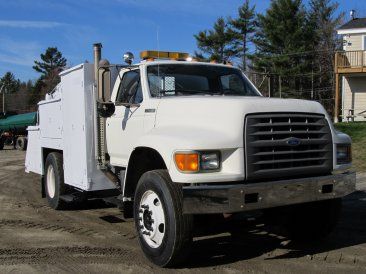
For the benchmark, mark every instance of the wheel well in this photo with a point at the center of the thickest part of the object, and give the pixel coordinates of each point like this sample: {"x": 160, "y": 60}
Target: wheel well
{"x": 45, "y": 152}
{"x": 143, "y": 159}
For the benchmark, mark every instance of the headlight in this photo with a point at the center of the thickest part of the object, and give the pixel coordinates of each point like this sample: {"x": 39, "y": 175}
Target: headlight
{"x": 197, "y": 161}
{"x": 210, "y": 161}
{"x": 344, "y": 154}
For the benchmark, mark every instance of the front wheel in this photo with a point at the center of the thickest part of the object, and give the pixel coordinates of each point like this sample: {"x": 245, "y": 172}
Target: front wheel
{"x": 164, "y": 232}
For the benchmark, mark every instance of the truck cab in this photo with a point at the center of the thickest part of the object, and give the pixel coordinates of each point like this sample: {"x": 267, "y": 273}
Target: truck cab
{"x": 178, "y": 108}
{"x": 181, "y": 138}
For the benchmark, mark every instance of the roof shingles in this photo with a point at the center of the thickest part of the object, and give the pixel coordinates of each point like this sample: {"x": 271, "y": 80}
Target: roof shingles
{"x": 356, "y": 23}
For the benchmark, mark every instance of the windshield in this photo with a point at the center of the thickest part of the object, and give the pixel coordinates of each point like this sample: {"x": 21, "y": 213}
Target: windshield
{"x": 185, "y": 80}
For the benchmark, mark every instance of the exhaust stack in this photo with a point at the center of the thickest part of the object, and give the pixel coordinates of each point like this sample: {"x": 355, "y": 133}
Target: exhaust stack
{"x": 97, "y": 47}
{"x": 100, "y": 147}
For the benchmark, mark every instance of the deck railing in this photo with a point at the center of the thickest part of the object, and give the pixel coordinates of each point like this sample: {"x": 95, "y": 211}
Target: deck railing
{"x": 346, "y": 63}
{"x": 354, "y": 60}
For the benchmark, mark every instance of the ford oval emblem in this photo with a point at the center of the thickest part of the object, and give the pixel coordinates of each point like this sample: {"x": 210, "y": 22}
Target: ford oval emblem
{"x": 293, "y": 141}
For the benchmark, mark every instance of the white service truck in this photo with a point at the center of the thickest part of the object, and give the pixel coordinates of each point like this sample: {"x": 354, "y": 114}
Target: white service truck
{"x": 171, "y": 139}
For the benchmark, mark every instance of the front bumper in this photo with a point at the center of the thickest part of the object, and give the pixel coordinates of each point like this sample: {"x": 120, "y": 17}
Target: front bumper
{"x": 231, "y": 198}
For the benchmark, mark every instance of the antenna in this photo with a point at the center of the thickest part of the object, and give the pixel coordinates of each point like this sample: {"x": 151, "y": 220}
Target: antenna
{"x": 157, "y": 41}
{"x": 161, "y": 84}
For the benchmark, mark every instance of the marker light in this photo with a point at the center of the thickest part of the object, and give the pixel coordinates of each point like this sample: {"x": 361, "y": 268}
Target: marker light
{"x": 187, "y": 162}
{"x": 344, "y": 154}
{"x": 198, "y": 161}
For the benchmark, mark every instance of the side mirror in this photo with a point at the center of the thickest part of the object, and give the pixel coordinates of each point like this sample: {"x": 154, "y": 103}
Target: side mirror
{"x": 105, "y": 109}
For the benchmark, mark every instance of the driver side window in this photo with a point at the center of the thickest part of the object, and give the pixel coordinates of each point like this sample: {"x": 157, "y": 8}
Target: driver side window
{"x": 232, "y": 84}
{"x": 130, "y": 90}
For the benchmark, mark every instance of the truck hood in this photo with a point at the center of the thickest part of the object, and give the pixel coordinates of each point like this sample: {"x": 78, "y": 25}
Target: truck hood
{"x": 220, "y": 119}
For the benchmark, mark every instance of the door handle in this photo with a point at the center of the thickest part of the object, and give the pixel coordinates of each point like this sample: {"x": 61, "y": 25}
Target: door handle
{"x": 149, "y": 110}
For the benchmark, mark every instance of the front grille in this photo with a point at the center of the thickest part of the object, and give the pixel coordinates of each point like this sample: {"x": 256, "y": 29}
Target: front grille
{"x": 283, "y": 145}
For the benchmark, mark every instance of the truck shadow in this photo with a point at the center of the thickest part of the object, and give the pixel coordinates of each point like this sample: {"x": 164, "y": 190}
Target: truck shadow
{"x": 9, "y": 148}
{"x": 268, "y": 243}
{"x": 89, "y": 205}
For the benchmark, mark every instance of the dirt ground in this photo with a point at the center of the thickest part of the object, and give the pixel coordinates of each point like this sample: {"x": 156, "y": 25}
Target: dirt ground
{"x": 95, "y": 238}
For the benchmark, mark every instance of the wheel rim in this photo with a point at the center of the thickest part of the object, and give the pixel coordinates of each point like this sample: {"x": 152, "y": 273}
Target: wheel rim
{"x": 151, "y": 219}
{"x": 51, "y": 181}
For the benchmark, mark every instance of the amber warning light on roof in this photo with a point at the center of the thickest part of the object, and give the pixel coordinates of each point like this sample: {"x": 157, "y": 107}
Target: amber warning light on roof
{"x": 151, "y": 55}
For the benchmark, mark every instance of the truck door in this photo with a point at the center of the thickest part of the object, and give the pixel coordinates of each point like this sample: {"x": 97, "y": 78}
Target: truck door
{"x": 126, "y": 124}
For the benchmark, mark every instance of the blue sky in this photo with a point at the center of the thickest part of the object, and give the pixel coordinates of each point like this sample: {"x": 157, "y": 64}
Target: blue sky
{"x": 28, "y": 27}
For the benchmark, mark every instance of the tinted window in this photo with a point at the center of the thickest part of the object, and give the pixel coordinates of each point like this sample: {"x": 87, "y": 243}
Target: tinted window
{"x": 138, "y": 96}
{"x": 183, "y": 80}
{"x": 233, "y": 84}
{"x": 130, "y": 90}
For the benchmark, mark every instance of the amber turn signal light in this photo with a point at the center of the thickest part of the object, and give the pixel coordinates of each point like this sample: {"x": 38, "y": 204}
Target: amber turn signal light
{"x": 187, "y": 162}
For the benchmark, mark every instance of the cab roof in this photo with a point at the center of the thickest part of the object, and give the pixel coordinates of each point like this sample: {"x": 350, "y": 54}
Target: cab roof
{"x": 162, "y": 62}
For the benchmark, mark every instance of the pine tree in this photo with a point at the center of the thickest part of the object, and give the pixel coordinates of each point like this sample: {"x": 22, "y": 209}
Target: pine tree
{"x": 283, "y": 34}
{"x": 9, "y": 83}
{"x": 18, "y": 101}
{"x": 51, "y": 65}
{"x": 217, "y": 43}
{"x": 51, "y": 60}
{"x": 37, "y": 92}
{"x": 244, "y": 27}
{"x": 324, "y": 20}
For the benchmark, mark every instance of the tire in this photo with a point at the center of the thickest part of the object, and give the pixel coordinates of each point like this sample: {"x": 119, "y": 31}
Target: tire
{"x": 54, "y": 180}
{"x": 313, "y": 221}
{"x": 21, "y": 143}
{"x": 158, "y": 199}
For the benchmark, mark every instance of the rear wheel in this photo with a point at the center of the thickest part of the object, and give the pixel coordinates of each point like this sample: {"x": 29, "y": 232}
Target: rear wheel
{"x": 8, "y": 141}
{"x": 313, "y": 221}
{"x": 21, "y": 143}
{"x": 165, "y": 233}
{"x": 54, "y": 180}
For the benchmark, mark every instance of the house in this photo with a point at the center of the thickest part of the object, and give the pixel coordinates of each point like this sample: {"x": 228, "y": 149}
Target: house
{"x": 350, "y": 69}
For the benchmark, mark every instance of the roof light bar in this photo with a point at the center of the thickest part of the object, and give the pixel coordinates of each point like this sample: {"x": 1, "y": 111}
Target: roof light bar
{"x": 154, "y": 54}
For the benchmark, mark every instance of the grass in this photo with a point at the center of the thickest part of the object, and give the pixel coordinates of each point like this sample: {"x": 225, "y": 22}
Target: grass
{"x": 357, "y": 131}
